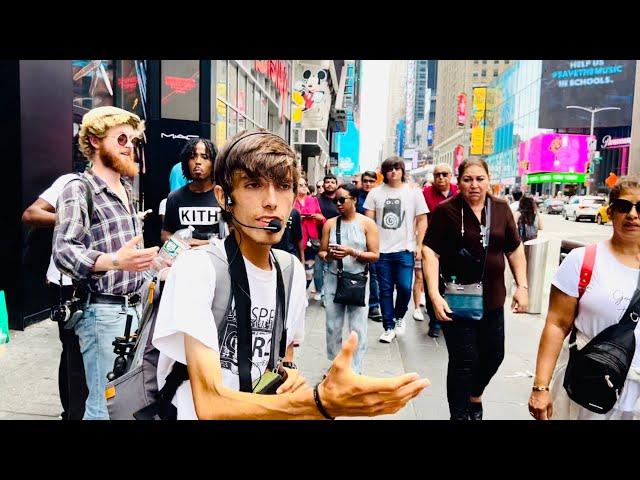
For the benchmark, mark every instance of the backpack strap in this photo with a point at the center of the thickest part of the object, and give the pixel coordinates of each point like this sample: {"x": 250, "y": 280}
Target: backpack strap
{"x": 88, "y": 194}
{"x": 284, "y": 262}
{"x": 586, "y": 270}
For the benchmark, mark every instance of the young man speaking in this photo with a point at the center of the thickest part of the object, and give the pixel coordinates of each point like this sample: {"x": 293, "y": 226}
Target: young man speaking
{"x": 256, "y": 183}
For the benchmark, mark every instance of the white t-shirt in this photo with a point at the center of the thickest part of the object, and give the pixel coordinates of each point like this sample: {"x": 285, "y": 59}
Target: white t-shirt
{"x": 162, "y": 208}
{"x": 50, "y": 195}
{"x": 603, "y": 303}
{"x": 185, "y": 307}
{"x": 396, "y": 209}
{"x": 515, "y": 206}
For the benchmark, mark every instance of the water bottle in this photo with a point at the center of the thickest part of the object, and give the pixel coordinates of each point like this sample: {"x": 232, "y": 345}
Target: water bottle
{"x": 179, "y": 242}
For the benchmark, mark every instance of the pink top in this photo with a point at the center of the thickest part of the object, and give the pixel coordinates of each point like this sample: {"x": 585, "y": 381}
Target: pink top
{"x": 309, "y": 225}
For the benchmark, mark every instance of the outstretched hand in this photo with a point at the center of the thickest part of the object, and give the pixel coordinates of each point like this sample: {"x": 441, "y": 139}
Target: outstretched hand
{"x": 345, "y": 393}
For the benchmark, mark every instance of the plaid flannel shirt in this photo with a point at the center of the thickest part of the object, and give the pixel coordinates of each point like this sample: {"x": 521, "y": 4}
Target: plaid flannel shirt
{"x": 78, "y": 241}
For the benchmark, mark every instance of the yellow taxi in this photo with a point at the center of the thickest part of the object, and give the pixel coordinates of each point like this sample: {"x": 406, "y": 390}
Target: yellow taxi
{"x": 602, "y": 217}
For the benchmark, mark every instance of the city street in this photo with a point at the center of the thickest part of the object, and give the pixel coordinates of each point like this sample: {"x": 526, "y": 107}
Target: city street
{"x": 29, "y": 363}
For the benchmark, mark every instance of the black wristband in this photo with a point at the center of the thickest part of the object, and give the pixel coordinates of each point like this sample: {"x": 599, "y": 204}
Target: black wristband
{"x": 316, "y": 397}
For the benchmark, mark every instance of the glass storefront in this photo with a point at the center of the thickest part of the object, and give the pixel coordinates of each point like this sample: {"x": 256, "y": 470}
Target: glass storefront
{"x": 515, "y": 116}
{"x": 120, "y": 83}
{"x": 246, "y": 97}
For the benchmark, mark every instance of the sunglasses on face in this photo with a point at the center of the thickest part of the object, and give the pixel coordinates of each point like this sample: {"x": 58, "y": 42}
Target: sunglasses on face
{"x": 624, "y": 206}
{"x": 368, "y": 180}
{"x": 441, "y": 174}
{"x": 123, "y": 139}
{"x": 340, "y": 200}
{"x": 395, "y": 167}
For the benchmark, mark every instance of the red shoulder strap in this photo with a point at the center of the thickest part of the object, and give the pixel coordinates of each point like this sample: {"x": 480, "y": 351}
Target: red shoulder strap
{"x": 587, "y": 268}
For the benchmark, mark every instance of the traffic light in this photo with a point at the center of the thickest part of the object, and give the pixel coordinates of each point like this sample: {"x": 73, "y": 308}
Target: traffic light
{"x": 587, "y": 167}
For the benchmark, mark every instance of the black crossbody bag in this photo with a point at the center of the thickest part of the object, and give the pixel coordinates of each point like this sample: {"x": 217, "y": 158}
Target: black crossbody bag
{"x": 351, "y": 287}
{"x": 596, "y": 373}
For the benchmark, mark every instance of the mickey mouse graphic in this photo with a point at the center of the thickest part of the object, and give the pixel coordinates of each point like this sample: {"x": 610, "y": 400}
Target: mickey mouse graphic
{"x": 310, "y": 92}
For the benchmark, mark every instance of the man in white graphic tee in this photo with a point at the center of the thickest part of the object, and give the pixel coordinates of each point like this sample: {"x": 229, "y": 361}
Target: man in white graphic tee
{"x": 256, "y": 183}
{"x": 394, "y": 206}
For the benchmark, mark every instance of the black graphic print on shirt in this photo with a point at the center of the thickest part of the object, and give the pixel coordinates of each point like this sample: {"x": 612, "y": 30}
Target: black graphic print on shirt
{"x": 261, "y": 331}
{"x": 392, "y": 214}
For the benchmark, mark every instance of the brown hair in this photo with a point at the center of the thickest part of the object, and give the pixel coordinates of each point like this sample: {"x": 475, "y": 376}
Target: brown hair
{"x": 388, "y": 164}
{"x": 469, "y": 162}
{"x": 259, "y": 154}
{"x": 628, "y": 182}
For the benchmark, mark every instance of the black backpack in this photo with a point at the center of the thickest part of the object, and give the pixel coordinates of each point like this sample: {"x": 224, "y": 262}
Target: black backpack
{"x": 596, "y": 373}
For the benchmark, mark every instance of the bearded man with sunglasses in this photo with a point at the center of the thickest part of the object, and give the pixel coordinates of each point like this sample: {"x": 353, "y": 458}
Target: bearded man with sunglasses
{"x": 100, "y": 246}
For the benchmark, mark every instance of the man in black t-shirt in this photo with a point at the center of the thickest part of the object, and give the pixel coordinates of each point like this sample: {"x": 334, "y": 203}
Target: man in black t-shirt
{"x": 290, "y": 241}
{"x": 195, "y": 204}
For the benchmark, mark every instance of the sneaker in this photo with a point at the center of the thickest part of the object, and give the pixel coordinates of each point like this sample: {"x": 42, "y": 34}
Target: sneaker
{"x": 317, "y": 297}
{"x": 434, "y": 332}
{"x": 400, "y": 326}
{"x": 417, "y": 314}
{"x": 423, "y": 300}
{"x": 388, "y": 335}
{"x": 374, "y": 314}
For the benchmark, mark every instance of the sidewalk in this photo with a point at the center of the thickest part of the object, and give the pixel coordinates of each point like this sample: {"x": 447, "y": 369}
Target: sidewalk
{"x": 29, "y": 364}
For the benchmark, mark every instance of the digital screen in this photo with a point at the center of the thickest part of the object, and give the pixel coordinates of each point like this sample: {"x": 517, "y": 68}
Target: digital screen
{"x": 590, "y": 84}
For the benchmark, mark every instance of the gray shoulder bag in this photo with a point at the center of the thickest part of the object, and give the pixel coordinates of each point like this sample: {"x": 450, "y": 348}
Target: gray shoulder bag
{"x": 466, "y": 301}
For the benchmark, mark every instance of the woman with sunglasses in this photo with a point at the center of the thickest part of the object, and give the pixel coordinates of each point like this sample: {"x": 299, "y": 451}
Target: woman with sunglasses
{"x": 603, "y": 302}
{"x": 358, "y": 246}
{"x": 312, "y": 219}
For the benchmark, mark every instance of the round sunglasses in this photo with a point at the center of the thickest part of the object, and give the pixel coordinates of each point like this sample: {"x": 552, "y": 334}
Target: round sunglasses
{"x": 123, "y": 139}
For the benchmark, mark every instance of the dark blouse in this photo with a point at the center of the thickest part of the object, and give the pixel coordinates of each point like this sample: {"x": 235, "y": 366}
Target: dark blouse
{"x": 462, "y": 257}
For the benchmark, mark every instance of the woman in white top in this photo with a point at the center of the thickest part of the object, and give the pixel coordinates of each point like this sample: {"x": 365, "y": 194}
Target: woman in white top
{"x": 358, "y": 246}
{"x": 606, "y": 298}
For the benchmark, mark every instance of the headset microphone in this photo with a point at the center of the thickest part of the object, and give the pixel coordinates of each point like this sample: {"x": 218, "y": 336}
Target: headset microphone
{"x": 274, "y": 225}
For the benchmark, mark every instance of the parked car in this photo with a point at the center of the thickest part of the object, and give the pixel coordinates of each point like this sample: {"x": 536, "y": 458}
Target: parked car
{"x": 602, "y": 216}
{"x": 583, "y": 207}
{"x": 552, "y": 206}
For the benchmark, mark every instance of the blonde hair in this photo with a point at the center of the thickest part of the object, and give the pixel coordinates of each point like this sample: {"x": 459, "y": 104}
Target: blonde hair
{"x": 95, "y": 124}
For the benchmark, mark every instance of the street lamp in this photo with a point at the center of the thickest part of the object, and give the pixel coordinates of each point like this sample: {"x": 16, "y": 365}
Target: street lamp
{"x": 593, "y": 112}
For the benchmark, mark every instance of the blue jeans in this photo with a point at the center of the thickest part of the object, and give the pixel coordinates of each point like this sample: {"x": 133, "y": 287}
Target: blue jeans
{"x": 319, "y": 268}
{"x": 395, "y": 270}
{"x": 374, "y": 292}
{"x": 335, "y": 313}
{"x": 97, "y": 328}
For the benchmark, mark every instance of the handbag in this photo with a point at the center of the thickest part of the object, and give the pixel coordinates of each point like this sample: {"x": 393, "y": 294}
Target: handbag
{"x": 351, "y": 287}
{"x": 466, "y": 301}
{"x": 595, "y": 374}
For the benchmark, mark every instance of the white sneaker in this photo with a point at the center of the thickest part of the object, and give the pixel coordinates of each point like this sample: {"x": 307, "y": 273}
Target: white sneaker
{"x": 423, "y": 300}
{"x": 400, "y": 327}
{"x": 317, "y": 297}
{"x": 417, "y": 314}
{"x": 387, "y": 336}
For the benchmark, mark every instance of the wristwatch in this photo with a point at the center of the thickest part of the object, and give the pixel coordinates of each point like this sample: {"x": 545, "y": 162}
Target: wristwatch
{"x": 114, "y": 260}
{"x": 540, "y": 388}
{"x": 290, "y": 365}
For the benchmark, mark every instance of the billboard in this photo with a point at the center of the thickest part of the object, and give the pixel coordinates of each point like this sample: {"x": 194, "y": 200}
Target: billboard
{"x": 430, "y": 130}
{"x": 553, "y": 152}
{"x": 411, "y": 103}
{"x": 399, "y": 146}
{"x": 590, "y": 84}
{"x": 478, "y": 120}
{"x": 312, "y": 97}
{"x": 462, "y": 109}
{"x": 347, "y": 144}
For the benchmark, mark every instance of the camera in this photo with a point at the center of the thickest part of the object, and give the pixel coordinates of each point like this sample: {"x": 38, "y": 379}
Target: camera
{"x": 64, "y": 310}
